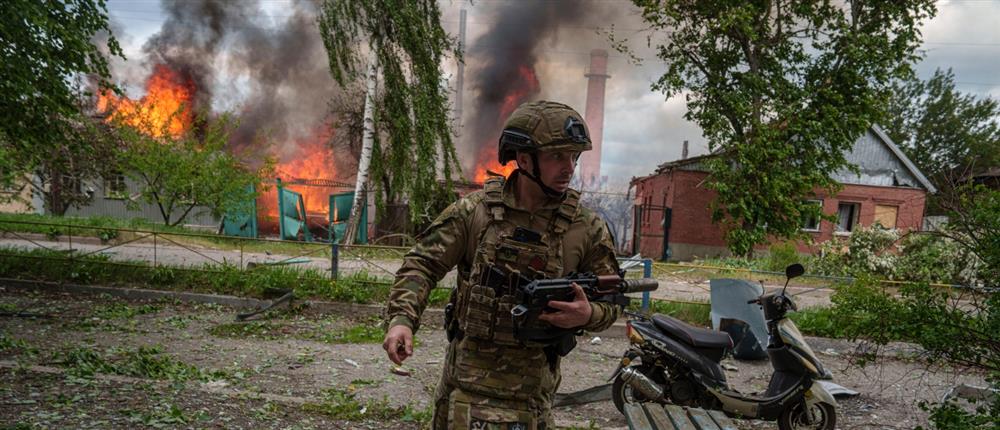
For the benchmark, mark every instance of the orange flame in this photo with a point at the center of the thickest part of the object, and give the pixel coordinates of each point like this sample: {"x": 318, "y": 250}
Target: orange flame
{"x": 313, "y": 160}
{"x": 526, "y": 87}
{"x": 165, "y": 109}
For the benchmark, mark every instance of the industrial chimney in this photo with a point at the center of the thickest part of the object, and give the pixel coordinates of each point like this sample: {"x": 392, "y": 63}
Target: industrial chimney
{"x": 590, "y": 163}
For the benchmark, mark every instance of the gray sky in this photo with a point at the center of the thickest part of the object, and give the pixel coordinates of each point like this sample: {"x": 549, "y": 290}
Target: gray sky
{"x": 642, "y": 128}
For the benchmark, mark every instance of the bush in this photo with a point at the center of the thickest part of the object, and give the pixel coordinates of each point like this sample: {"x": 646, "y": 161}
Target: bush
{"x": 868, "y": 251}
{"x": 933, "y": 258}
{"x": 781, "y": 255}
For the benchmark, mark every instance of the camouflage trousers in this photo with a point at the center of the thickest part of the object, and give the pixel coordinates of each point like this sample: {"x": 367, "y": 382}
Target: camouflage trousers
{"x": 457, "y": 406}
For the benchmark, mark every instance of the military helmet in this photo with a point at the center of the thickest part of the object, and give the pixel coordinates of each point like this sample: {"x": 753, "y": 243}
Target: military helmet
{"x": 543, "y": 126}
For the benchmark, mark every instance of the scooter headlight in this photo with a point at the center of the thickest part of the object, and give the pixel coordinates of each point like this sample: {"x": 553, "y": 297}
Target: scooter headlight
{"x": 633, "y": 334}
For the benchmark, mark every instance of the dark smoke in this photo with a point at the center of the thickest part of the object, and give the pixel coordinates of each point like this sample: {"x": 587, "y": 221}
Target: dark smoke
{"x": 276, "y": 75}
{"x": 496, "y": 59}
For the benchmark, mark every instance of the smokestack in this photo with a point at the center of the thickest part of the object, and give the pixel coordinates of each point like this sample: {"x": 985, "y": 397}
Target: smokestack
{"x": 590, "y": 163}
{"x": 684, "y": 151}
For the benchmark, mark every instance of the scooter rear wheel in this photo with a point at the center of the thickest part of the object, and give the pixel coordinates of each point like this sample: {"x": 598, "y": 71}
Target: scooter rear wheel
{"x": 795, "y": 418}
{"x": 622, "y": 392}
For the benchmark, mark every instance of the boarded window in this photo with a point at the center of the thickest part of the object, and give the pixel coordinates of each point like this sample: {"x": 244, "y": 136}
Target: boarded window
{"x": 847, "y": 216}
{"x": 886, "y": 215}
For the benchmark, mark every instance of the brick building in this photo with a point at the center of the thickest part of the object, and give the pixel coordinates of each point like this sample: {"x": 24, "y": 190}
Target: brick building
{"x": 672, "y": 219}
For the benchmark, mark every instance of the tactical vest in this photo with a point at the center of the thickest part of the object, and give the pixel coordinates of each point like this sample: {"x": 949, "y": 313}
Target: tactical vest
{"x": 489, "y": 360}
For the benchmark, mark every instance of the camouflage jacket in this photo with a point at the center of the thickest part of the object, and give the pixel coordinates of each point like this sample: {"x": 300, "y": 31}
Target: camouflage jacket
{"x": 451, "y": 240}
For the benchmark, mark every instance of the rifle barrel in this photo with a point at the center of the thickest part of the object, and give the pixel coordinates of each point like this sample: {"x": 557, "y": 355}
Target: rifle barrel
{"x": 639, "y": 285}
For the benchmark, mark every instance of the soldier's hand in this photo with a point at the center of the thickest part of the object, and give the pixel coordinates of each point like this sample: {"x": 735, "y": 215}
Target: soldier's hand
{"x": 569, "y": 314}
{"x": 398, "y": 343}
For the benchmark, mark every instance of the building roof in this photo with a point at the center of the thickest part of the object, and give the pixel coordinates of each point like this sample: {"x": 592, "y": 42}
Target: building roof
{"x": 879, "y": 160}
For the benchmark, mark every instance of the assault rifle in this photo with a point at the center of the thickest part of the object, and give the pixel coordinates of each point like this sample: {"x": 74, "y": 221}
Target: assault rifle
{"x": 534, "y": 297}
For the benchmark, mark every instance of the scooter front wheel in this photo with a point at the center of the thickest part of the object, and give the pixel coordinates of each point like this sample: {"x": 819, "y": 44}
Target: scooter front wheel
{"x": 796, "y": 418}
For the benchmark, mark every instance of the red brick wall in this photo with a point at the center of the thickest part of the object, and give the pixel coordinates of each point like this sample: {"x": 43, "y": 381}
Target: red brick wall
{"x": 909, "y": 215}
{"x": 692, "y": 230}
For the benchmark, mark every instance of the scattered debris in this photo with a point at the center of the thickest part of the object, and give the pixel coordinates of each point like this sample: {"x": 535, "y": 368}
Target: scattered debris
{"x": 836, "y": 390}
{"x": 400, "y": 371}
{"x": 971, "y": 392}
{"x": 830, "y": 351}
{"x": 352, "y": 362}
{"x": 595, "y": 341}
{"x": 730, "y": 367}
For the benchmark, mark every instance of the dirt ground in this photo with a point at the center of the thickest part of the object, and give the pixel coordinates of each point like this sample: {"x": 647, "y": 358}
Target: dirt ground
{"x": 291, "y": 370}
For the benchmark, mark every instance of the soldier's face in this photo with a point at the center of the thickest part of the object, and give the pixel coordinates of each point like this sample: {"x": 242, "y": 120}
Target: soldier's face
{"x": 556, "y": 167}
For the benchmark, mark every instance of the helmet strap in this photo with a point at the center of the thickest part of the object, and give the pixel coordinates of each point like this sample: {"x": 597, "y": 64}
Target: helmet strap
{"x": 536, "y": 175}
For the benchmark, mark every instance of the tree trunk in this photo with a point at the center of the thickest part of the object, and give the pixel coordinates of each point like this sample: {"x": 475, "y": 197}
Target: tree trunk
{"x": 360, "y": 188}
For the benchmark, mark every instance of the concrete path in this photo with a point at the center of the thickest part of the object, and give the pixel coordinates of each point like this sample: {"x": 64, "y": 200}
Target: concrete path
{"x": 672, "y": 288}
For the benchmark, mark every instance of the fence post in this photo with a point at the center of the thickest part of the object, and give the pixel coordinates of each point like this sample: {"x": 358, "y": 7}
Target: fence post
{"x": 69, "y": 236}
{"x": 647, "y": 272}
{"x": 334, "y": 259}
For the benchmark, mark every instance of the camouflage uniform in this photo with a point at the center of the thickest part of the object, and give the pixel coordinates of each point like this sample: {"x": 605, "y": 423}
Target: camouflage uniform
{"x": 491, "y": 380}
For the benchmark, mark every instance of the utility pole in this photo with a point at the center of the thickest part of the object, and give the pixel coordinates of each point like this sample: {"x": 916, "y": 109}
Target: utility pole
{"x": 360, "y": 188}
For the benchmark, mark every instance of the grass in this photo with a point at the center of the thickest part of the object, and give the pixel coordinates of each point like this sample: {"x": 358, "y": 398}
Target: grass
{"x": 46, "y": 265}
{"x": 365, "y": 332}
{"x": 819, "y": 322}
{"x": 13, "y": 345}
{"x": 144, "y": 362}
{"x": 109, "y": 229}
{"x": 694, "y": 313}
{"x": 341, "y": 404}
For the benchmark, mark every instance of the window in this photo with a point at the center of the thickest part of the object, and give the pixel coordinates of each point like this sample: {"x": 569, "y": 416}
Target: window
{"x": 114, "y": 186}
{"x": 810, "y": 221}
{"x": 886, "y": 215}
{"x": 847, "y": 216}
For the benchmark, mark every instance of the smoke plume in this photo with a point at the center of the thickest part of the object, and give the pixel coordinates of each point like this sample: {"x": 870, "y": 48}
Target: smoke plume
{"x": 505, "y": 63}
{"x": 270, "y": 70}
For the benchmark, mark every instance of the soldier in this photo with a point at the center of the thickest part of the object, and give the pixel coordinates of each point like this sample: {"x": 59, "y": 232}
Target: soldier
{"x": 530, "y": 224}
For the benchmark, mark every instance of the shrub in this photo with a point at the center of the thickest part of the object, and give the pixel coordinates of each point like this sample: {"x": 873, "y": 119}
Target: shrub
{"x": 781, "y": 255}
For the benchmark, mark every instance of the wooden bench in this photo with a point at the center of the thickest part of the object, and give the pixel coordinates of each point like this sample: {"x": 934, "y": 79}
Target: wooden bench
{"x": 654, "y": 416}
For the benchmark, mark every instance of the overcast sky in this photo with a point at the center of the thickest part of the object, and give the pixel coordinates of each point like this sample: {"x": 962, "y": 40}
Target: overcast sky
{"x": 642, "y": 128}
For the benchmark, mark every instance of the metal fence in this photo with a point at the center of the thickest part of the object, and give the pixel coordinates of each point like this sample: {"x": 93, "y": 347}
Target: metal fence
{"x": 190, "y": 250}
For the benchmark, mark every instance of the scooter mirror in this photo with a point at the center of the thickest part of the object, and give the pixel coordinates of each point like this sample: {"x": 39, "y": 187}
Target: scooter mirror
{"x": 794, "y": 271}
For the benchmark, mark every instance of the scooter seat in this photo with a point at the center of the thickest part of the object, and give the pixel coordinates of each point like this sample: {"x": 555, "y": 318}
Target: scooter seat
{"x": 694, "y": 336}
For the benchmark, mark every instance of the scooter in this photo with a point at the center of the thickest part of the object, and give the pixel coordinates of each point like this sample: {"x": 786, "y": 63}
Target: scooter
{"x": 670, "y": 361}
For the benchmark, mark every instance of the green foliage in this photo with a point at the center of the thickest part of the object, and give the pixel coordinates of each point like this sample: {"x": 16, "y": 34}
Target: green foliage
{"x": 343, "y": 404}
{"x": 358, "y": 287}
{"x": 409, "y": 44}
{"x": 933, "y": 258}
{"x": 694, "y": 313}
{"x": 866, "y": 252}
{"x": 781, "y": 255}
{"x": 194, "y": 170}
{"x": 773, "y": 84}
{"x": 952, "y": 415}
{"x": 369, "y": 331}
{"x": 974, "y": 223}
{"x": 946, "y": 133}
{"x": 10, "y": 344}
{"x": 818, "y": 321}
{"x": 120, "y": 310}
{"x": 144, "y": 362}
{"x": 955, "y": 328}
{"x": 48, "y": 48}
